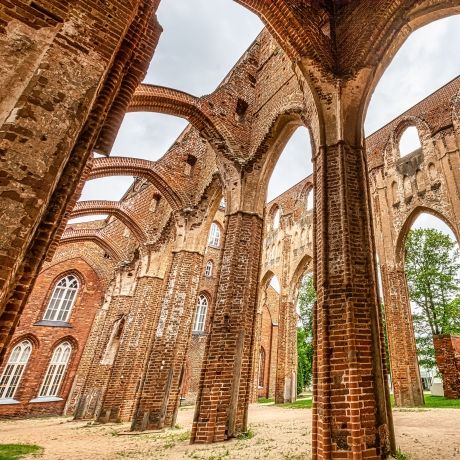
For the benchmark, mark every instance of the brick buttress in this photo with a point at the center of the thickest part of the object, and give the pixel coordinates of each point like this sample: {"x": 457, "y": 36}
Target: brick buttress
{"x": 226, "y": 377}
{"x": 160, "y": 389}
{"x": 405, "y": 373}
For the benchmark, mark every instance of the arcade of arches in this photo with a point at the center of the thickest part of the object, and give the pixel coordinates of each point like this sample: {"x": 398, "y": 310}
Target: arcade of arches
{"x": 170, "y": 296}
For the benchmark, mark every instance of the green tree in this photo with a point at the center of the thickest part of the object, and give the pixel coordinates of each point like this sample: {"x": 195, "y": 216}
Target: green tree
{"x": 432, "y": 269}
{"x": 306, "y": 301}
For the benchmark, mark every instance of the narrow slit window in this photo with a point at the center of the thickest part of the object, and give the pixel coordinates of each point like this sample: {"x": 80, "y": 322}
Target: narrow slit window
{"x": 208, "y": 270}
{"x": 200, "y": 315}
{"x": 214, "y": 235}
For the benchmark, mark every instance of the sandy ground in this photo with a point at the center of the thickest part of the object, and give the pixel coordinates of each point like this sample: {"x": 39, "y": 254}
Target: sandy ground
{"x": 279, "y": 433}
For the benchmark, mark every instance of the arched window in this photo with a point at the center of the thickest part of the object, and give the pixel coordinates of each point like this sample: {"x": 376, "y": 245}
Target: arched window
{"x": 276, "y": 219}
{"x": 214, "y": 235}
{"x": 14, "y": 369}
{"x": 62, "y": 300}
{"x": 208, "y": 269}
{"x": 56, "y": 370}
{"x": 409, "y": 141}
{"x": 200, "y": 315}
{"x": 310, "y": 198}
{"x": 261, "y": 367}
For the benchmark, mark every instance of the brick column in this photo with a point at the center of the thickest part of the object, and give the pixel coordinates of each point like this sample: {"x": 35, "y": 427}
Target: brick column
{"x": 350, "y": 417}
{"x": 284, "y": 374}
{"x": 160, "y": 388}
{"x": 283, "y": 387}
{"x": 226, "y": 377}
{"x": 121, "y": 389}
{"x": 447, "y": 351}
{"x": 405, "y": 372}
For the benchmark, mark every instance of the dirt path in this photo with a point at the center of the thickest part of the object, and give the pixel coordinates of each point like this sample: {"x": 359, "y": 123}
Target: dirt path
{"x": 279, "y": 434}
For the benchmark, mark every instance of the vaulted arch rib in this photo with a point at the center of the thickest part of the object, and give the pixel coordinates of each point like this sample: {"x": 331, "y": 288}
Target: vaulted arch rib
{"x": 150, "y": 170}
{"x": 298, "y": 31}
{"x": 152, "y": 98}
{"x": 79, "y": 235}
{"x": 114, "y": 208}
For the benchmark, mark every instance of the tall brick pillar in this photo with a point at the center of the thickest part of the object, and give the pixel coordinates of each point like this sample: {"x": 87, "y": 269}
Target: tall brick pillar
{"x": 126, "y": 371}
{"x": 285, "y": 388}
{"x": 405, "y": 372}
{"x": 160, "y": 387}
{"x": 351, "y": 419}
{"x": 226, "y": 377}
{"x": 285, "y": 391}
{"x": 447, "y": 351}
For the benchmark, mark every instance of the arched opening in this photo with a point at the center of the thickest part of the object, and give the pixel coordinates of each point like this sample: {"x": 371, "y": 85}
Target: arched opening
{"x": 267, "y": 337}
{"x": 421, "y": 66}
{"x": 409, "y": 142}
{"x": 429, "y": 248}
{"x": 410, "y": 170}
{"x": 293, "y": 165}
{"x": 197, "y": 64}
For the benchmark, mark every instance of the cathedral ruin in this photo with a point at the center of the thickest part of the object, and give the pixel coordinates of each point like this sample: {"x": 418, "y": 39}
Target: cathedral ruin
{"x": 169, "y": 298}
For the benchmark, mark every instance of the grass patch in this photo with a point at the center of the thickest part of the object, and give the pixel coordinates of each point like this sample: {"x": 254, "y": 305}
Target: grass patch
{"x": 305, "y": 403}
{"x": 434, "y": 402}
{"x": 401, "y": 456}
{"x": 249, "y": 434}
{"x": 15, "y": 451}
{"x": 265, "y": 400}
{"x": 440, "y": 401}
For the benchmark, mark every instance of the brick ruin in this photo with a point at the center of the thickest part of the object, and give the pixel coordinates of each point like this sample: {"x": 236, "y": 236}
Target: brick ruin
{"x": 71, "y": 71}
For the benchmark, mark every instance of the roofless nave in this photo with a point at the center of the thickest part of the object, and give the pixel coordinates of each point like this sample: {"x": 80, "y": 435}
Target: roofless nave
{"x": 71, "y": 71}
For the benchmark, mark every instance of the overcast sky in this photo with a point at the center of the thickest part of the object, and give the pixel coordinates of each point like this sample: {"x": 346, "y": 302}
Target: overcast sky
{"x": 201, "y": 42}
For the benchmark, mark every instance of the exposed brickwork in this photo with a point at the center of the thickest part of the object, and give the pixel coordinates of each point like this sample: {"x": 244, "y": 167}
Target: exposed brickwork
{"x": 447, "y": 351}
{"x": 315, "y": 65}
{"x": 46, "y": 338}
{"x": 228, "y": 368}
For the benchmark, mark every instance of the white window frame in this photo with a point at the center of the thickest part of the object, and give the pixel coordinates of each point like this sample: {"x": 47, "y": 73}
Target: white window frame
{"x": 214, "y": 235}
{"x": 209, "y": 268}
{"x": 200, "y": 314}
{"x": 14, "y": 369}
{"x": 56, "y": 371}
{"x": 62, "y": 299}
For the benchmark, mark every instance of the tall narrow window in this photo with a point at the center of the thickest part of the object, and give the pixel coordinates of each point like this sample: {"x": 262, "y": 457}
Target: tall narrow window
{"x": 14, "y": 369}
{"x": 276, "y": 219}
{"x": 62, "y": 300}
{"x": 261, "y": 367}
{"x": 200, "y": 315}
{"x": 310, "y": 198}
{"x": 208, "y": 269}
{"x": 56, "y": 370}
{"x": 214, "y": 235}
{"x": 409, "y": 141}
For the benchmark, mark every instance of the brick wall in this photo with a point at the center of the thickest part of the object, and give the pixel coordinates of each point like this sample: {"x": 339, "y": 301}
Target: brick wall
{"x": 45, "y": 338}
{"x": 447, "y": 351}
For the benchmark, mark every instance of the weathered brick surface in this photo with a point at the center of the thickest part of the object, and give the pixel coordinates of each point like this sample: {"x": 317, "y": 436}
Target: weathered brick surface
{"x": 228, "y": 367}
{"x": 55, "y": 113}
{"x": 447, "y": 351}
{"x": 314, "y": 66}
{"x": 46, "y": 338}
